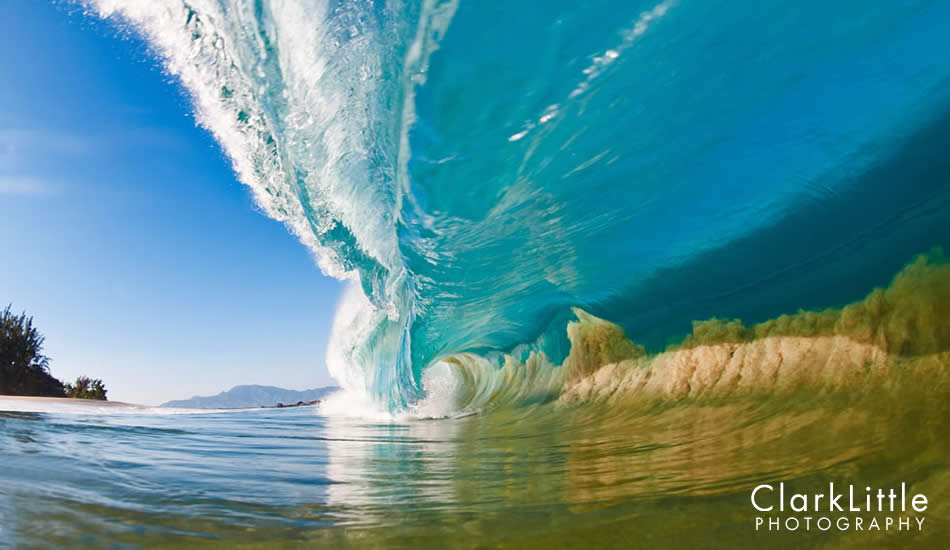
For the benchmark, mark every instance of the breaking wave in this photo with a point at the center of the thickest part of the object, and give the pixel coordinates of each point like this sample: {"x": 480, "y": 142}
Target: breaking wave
{"x": 534, "y": 202}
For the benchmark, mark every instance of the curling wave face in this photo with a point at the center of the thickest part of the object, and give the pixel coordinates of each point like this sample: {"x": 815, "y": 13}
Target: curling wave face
{"x": 481, "y": 169}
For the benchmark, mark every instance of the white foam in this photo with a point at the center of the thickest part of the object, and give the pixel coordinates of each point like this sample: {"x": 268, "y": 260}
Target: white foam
{"x": 354, "y": 404}
{"x": 442, "y": 384}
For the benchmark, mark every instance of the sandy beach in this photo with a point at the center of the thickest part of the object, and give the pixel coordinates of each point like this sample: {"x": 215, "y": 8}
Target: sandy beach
{"x": 67, "y": 401}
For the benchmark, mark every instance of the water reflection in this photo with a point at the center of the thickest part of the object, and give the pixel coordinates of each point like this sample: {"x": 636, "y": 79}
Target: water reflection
{"x": 534, "y": 476}
{"x": 373, "y": 466}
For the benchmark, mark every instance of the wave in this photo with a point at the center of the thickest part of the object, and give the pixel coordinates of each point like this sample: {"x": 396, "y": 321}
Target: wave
{"x": 487, "y": 174}
{"x": 895, "y": 334}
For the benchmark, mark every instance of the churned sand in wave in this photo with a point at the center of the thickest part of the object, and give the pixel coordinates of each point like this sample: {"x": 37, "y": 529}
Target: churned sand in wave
{"x": 905, "y": 326}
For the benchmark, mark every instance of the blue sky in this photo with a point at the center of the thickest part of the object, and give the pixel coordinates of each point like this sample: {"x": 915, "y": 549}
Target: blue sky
{"x": 125, "y": 232}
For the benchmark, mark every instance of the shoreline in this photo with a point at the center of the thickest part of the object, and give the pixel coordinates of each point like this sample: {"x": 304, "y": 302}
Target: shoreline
{"x": 72, "y": 401}
{"x": 124, "y": 405}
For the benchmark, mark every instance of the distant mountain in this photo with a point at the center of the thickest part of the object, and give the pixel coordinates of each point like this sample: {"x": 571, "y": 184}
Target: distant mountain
{"x": 240, "y": 397}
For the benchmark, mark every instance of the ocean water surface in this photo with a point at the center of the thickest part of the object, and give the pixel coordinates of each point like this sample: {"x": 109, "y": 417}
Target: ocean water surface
{"x": 667, "y": 476}
{"x": 612, "y": 265}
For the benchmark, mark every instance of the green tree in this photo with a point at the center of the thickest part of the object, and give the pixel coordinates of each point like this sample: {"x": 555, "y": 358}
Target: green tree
{"x": 24, "y": 370}
{"x": 86, "y": 388}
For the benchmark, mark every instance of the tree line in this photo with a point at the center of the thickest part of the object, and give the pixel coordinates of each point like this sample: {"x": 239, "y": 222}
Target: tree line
{"x": 24, "y": 369}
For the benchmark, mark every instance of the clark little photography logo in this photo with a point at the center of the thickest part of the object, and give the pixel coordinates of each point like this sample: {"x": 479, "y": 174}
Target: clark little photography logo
{"x": 861, "y": 509}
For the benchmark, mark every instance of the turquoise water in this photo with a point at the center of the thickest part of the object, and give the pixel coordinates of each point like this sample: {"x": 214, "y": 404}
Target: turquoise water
{"x": 552, "y": 216}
